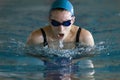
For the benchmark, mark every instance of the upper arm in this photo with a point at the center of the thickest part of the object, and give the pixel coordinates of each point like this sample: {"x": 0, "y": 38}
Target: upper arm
{"x": 35, "y": 38}
{"x": 30, "y": 39}
{"x": 86, "y": 38}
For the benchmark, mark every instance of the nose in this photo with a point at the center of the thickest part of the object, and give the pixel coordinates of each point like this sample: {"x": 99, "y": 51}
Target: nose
{"x": 61, "y": 28}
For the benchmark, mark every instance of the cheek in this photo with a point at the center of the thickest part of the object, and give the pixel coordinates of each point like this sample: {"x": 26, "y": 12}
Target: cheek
{"x": 55, "y": 30}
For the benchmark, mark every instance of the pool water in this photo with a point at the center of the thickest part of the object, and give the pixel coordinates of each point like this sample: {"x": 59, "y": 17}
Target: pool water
{"x": 19, "y": 17}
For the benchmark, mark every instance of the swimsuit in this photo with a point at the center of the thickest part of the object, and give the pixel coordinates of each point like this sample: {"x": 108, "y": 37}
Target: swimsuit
{"x": 45, "y": 43}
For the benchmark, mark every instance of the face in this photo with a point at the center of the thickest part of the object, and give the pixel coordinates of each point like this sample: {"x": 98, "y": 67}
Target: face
{"x": 61, "y": 22}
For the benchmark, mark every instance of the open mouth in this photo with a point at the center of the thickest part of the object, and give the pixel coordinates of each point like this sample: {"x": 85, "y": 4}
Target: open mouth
{"x": 60, "y": 35}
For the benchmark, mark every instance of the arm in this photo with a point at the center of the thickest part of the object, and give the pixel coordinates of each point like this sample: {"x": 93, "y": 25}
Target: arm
{"x": 35, "y": 38}
{"x": 86, "y": 38}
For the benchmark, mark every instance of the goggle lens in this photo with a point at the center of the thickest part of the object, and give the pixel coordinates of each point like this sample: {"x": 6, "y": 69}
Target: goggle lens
{"x": 65, "y": 23}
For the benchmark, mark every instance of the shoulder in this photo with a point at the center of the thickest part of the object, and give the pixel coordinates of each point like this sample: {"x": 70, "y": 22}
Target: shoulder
{"x": 36, "y": 36}
{"x": 85, "y": 32}
{"x": 86, "y": 37}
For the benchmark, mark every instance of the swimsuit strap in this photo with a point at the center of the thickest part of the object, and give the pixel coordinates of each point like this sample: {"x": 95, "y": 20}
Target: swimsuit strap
{"x": 44, "y": 36}
{"x": 45, "y": 39}
{"x": 78, "y": 35}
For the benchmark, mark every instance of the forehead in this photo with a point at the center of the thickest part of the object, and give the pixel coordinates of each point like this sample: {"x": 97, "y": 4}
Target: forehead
{"x": 60, "y": 15}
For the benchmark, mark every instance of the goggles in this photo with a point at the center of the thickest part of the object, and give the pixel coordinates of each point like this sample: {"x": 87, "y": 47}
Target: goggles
{"x": 65, "y": 23}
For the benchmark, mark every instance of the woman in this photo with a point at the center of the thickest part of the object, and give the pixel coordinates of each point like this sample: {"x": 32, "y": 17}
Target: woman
{"x": 61, "y": 28}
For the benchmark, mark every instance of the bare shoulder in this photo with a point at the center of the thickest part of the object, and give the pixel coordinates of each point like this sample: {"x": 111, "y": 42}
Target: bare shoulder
{"x": 86, "y": 37}
{"x": 35, "y": 37}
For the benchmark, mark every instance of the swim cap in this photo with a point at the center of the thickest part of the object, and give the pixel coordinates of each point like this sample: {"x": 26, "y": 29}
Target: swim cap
{"x": 65, "y": 4}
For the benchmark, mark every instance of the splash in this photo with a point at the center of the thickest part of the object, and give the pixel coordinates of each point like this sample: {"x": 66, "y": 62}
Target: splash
{"x": 61, "y": 44}
{"x": 18, "y": 48}
{"x": 74, "y": 53}
{"x": 12, "y": 46}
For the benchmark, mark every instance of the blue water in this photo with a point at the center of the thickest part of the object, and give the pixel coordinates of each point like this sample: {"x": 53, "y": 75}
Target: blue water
{"x": 19, "y": 17}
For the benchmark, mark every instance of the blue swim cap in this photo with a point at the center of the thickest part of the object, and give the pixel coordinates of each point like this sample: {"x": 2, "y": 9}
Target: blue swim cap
{"x": 65, "y": 4}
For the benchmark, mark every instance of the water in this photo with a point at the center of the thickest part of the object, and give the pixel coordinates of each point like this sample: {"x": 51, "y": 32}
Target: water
{"x": 61, "y": 44}
{"x": 19, "y": 17}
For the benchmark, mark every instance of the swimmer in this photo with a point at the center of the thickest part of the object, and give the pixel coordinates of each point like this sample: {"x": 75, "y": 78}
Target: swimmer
{"x": 61, "y": 27}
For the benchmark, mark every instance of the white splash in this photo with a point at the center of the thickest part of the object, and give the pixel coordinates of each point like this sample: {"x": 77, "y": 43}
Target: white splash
{"x": 61, "y": 44}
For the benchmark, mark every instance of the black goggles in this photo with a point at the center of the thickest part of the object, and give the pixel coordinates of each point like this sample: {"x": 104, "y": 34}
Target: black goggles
{"x": 65, "y": 23}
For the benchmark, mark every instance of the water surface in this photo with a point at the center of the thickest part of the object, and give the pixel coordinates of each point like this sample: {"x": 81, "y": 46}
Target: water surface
{"x": 19, "y": 17}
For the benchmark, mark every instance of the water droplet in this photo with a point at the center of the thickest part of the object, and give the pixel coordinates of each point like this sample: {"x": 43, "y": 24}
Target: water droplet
{"x": 61, "y": 44}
